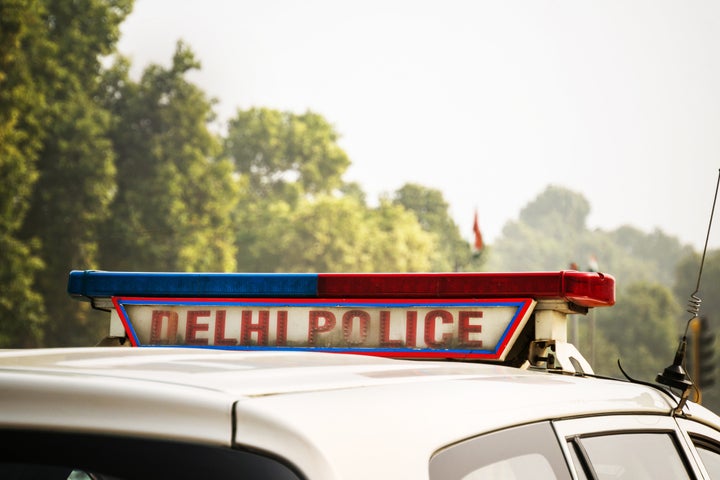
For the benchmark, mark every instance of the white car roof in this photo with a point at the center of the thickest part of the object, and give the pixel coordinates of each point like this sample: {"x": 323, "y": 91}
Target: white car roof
{"x": 332, "y": 415}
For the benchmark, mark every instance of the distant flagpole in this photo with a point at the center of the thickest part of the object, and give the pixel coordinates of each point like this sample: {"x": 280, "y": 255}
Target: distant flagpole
{"x": 478, "y": 244}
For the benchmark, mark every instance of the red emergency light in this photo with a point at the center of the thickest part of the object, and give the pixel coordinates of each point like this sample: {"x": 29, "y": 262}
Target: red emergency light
{"x": 587, "y": 289}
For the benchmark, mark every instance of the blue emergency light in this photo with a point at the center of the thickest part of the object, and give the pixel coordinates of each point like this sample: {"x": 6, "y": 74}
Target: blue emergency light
{"x": 99, "y": 284}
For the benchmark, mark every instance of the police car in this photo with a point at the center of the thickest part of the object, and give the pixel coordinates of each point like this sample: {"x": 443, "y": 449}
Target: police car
{"x": 343, "y": 376}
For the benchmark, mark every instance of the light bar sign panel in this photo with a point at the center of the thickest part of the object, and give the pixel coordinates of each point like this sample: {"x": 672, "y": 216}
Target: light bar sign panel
{"x": 398, "y": 328}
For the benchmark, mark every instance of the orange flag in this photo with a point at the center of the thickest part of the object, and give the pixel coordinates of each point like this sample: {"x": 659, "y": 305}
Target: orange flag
{"x": 476, "y": 231}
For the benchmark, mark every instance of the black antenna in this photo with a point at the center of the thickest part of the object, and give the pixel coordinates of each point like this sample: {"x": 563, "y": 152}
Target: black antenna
{"x": 675, "y": 376}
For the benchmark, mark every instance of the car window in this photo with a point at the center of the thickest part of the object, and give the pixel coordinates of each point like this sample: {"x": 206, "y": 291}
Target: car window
{"x": 529, "y": 451}
{"x": 69, "y": 456}
{"x": 711, "y": 460}
{"x": 630, "y": 456}
{"x": 532, "y": 465}
{"x": 33, "y": 471}
{"x": 709, "y": 452}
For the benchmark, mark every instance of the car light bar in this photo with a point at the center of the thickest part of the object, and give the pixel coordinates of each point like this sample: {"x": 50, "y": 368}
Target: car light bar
{"x": 405, "y": 315}
{"x": 586, "y": 289}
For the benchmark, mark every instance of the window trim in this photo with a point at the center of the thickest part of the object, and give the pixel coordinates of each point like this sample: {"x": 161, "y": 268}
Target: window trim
{"x": 584, "y": 458}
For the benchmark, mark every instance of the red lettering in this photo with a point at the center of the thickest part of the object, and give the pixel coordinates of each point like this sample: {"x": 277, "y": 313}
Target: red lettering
{"x": 157, "y": 324}
{"x": 193, "y": 327}
{"x": 315, "y": 326}
{"x": 348, "y": 321}
{"x": 430, "y": 327}
{"x": 282, "y": 325}
{"x": 220, "y": 330}
{"x": 466, "y": 328}
{"x": 385, "y": 331}
{"x": 411, "y": 329}
{"x": 261, "y": 328}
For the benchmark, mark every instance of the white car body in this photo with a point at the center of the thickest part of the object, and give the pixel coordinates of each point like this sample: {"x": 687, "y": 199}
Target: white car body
{"x": 329, "y": 416}
{"x": 288, "y": 378}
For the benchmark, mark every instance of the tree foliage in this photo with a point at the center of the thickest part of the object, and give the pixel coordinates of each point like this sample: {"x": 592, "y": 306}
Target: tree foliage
{"x": 331, "y": 234}
{"x": 559, "y": 206}
{"x": 285, "y": 154}
{"x": 63, "y": 56}
{"x": 432, "y": 211}
{"x": 642, "y": 327}
{"x": 22, "y": 103}
{"x": 172, "y": 209}
{"x": 688, "y": 270}
{"x": 655, "y": 254}
{"x": 551, "y": 234}
{"x": 100, "y": 170}
{"x": 298, "y": 215}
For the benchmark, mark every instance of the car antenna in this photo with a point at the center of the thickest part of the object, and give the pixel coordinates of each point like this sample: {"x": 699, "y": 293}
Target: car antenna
{"x": 675, "y": 376}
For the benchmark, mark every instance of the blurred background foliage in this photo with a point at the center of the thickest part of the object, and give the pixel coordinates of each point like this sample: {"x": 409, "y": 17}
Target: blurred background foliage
{"x": 102, "y": 171}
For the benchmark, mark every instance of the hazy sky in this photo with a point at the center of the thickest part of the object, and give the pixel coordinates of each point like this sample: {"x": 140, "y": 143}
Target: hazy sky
{"x": 488, "y": 101}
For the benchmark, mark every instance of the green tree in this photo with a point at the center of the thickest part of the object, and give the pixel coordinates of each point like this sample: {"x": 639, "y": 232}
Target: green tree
{"x": 523, "y": 248}
{"x": 298, "y": 215}
{"x": 23, "y": 52}
{"x": 549, "y": 235}
{"x": 401, "y": 244}
{"x": 262, "y": 230}
{"x": 285, "y": 155}
{"x": 328, "y": 234}
{"x": 558, "y": 206}
{"x": 175, "y": 194}
{"x": 75, "y": 163}
{"x": 654, "y": 255}
{"x": 284, "y": 160}
{"x": 453, "y": 252}
{"x": 686, "y": 281}
{"x": 642, "y": 327}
